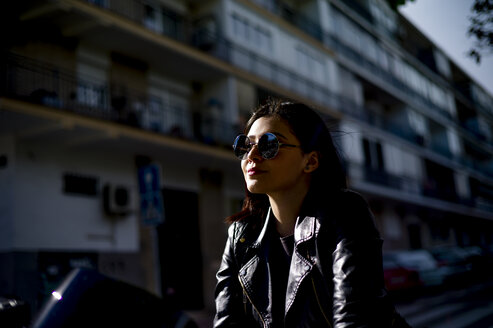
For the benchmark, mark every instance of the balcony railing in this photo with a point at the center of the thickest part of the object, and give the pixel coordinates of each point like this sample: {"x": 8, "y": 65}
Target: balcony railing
{"x": 425, "y": 188}
{"x": 36, "y": 82}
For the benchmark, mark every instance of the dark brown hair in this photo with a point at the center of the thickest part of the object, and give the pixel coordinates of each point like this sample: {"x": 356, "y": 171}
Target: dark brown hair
{"x": 313, "y": 134}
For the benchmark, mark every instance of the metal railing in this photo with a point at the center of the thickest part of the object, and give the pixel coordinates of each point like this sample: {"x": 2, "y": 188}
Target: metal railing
{"x": 415, "y": 186}
{"x": 46, "y": 84}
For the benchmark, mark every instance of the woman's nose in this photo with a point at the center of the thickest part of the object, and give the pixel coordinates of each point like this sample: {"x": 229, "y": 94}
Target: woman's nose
{"x": 254, "y": 154}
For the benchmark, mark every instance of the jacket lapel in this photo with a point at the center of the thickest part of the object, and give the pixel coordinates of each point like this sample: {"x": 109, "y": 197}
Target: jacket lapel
{"x": 301, "y": 265}
{"x": 255, "y": 276}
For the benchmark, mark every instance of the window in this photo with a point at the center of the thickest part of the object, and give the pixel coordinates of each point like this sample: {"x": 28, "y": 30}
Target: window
{"x": 80, "y": 184}
{"x": 253, "y": 36}
{"x": 383, "y": 57}
{"x": 310, "y": 65}
{"x": 442, "y": 63}
{"x": 152, "y": 19}
{"x": 241, "y": 27}
{"x": 369, "y": 48}
{"x": 153, "y": 118}
{"x": 373, "y": 155}
{"x": 172, "y": 24}
{"x": 91, "y": 95}
{"x": 92, "y": 80}
{"x": 418, "y": 122}
{"x": 262, "y": 38}
{"x": 383, "y": 15}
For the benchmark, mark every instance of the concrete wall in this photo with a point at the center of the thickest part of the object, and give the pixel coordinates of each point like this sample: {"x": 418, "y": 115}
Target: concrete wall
{"x": 45, "y": 217}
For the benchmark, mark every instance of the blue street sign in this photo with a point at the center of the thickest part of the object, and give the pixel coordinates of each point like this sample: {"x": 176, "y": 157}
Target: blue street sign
{"x": 151, "y": 199}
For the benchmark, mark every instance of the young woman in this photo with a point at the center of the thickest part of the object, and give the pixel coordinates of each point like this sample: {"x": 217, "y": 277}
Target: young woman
{"x": 304, "y": 251}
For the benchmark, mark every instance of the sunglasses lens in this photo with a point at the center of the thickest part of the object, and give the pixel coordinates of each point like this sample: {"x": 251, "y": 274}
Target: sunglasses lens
{"x": 241, "y": 146}
{"x": 268, "y": 146}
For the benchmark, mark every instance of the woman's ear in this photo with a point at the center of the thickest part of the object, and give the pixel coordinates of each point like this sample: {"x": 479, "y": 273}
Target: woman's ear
{"x": 311, "y": 162}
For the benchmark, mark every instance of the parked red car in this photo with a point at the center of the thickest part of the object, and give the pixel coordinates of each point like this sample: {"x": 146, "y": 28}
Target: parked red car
{"x": 398, "y": 278}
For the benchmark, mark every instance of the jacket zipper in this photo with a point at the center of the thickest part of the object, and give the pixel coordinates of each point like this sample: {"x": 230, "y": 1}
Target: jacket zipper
{"x": 244, "y": 302}
{"x": 316, "y": 296}
{"x": 320, "y": 305}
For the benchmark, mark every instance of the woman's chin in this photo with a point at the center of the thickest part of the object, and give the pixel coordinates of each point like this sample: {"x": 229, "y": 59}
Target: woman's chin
{"x": 255, "y": 188}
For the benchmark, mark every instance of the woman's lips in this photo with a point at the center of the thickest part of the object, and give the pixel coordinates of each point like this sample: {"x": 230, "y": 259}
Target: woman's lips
{"x": 252, "y": 172}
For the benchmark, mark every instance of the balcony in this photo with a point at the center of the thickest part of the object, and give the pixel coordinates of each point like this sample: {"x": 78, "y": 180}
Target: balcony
{"x": 41, "y": 83}
{"x": 473, "y": 126}
{"x": 427, "y": 188}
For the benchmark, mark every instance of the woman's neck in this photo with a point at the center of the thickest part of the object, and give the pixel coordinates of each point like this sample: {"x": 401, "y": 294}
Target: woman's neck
{"x": 286, "y": 208}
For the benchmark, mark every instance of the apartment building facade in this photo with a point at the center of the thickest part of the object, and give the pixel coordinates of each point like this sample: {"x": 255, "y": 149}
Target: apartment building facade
{"x": 94, "y": 91}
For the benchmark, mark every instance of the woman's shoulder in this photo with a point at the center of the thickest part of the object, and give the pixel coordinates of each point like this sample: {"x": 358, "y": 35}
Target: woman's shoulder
{"x": 350, "y": 213}
{"x": 248, "y": 227}
{"x": 344, "y": 200}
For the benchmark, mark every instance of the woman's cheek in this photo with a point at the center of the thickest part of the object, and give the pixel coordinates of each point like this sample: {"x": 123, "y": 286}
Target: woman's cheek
{"x": 243, "y": 169}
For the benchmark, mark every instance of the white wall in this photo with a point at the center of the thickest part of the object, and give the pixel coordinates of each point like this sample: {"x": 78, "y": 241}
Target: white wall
{"x": 47, "y": 218}
{"x": 181, "y": 176}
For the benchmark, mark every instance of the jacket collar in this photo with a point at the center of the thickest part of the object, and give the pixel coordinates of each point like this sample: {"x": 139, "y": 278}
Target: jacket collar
{"x": 263, "y": 232}
{"x": 305, "y": 228}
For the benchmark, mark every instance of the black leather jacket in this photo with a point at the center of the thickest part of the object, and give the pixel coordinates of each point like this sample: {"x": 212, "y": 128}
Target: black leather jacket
{"x": 335, "y": 278}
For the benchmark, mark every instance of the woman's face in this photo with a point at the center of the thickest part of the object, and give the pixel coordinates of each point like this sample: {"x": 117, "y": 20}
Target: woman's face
{"x": 282, "y": 173}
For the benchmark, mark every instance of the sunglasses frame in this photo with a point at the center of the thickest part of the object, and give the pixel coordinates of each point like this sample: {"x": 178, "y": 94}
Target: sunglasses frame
{"x": 262, "y": 153}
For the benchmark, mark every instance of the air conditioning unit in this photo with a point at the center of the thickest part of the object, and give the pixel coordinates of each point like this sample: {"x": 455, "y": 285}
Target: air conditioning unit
{"x": 116, "y": 200}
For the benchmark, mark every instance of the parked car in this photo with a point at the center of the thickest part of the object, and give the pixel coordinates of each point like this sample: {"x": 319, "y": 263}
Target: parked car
{"x": 454, "y": 261}
{"x": 87, "y": 298}
{"x": 481, "y": 261}
{"x": 398, "y": 278}
{"x": 421, "y": 261}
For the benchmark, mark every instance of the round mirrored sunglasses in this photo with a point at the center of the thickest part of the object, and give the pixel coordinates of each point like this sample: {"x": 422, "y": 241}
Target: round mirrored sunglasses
{"x": 268, "y": 146}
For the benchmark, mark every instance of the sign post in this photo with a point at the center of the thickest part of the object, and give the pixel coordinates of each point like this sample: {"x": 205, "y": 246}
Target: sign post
{"x": 151, "y": 199}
